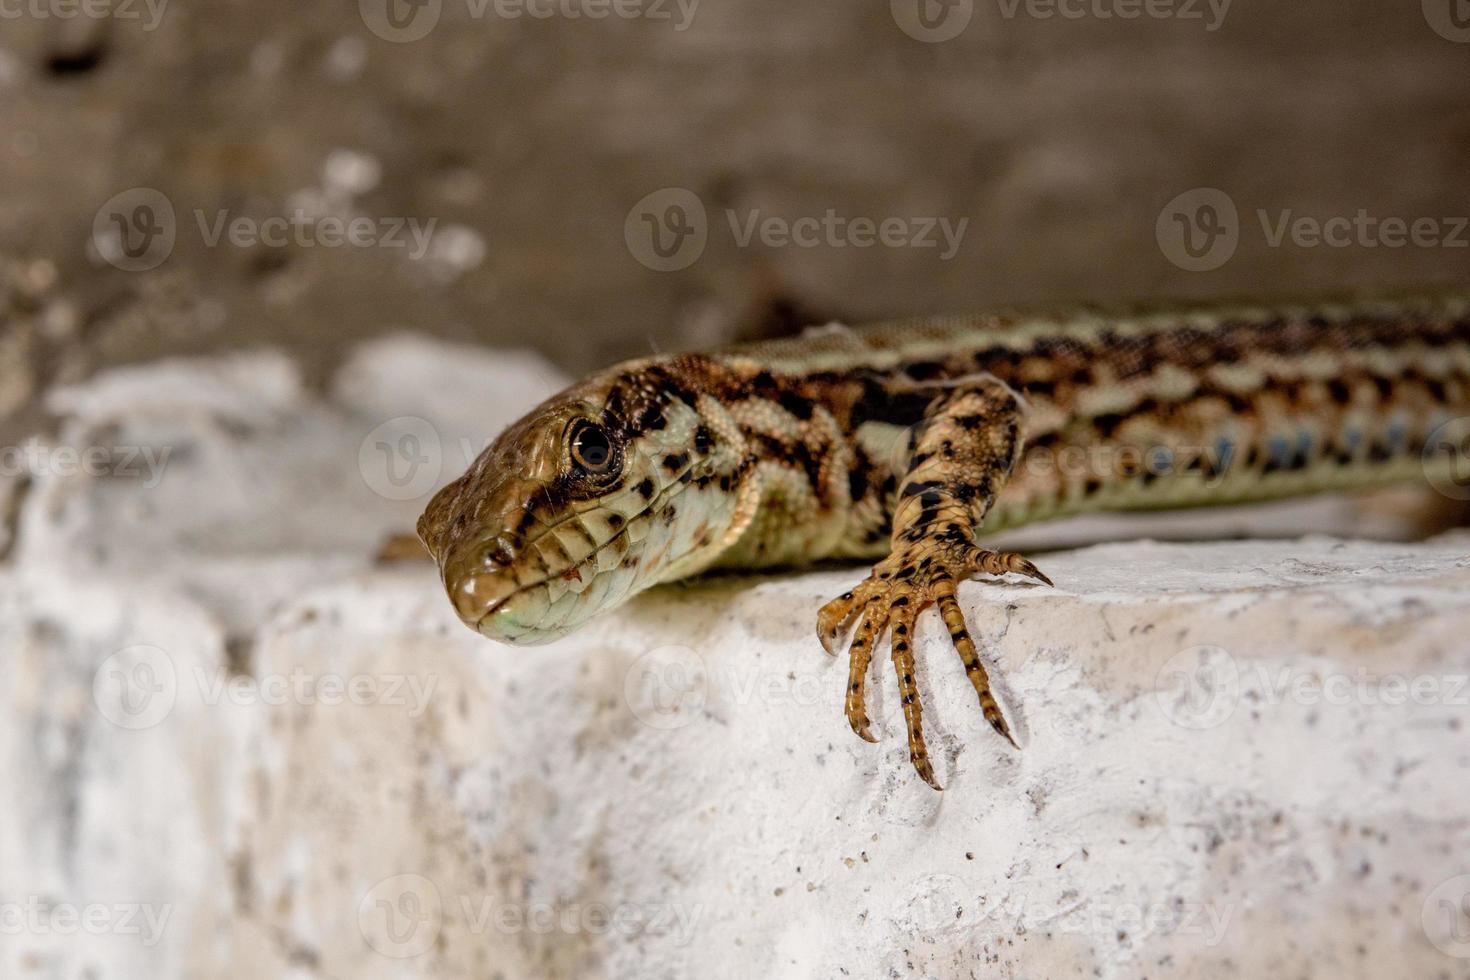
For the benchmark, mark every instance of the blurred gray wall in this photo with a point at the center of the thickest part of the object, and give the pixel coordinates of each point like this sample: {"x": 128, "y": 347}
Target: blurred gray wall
{"x": 528, "y": 142}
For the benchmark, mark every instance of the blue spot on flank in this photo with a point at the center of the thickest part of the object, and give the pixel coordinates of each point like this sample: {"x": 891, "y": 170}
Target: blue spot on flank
{"x": 1398, "y": 434}
{"x": 1304, "y": 443}
{"x": 1280, "y": 450}
{"x": 1163, "y": 461}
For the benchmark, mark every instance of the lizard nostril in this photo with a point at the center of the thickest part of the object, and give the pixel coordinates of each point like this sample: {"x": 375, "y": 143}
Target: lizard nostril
{"x": 499, "y": 552}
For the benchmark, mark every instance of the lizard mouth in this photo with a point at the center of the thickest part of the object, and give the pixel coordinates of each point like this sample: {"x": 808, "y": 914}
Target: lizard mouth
{"x": 586, "y": 570}
{"x": 485, "y": 625}
{"x": 496, "y": 619}
{"x": 498, "y": 622}
{"x": 500, "y": 603}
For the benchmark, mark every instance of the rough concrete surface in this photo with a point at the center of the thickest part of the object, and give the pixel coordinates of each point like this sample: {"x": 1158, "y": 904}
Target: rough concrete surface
{"x": 239, "y": 749}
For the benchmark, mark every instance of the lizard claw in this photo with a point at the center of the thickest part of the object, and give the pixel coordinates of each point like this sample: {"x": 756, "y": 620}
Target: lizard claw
{"x": 1024, "y": 567}
{"x": 833, "y": 620}
{"x": 900, "y": 587}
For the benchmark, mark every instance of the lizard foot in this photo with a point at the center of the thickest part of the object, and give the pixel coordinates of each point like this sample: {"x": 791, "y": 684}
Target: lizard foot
{"x": 919, "y": 575}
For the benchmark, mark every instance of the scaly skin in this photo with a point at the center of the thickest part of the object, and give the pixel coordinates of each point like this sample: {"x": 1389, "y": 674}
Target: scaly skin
{"x": 899, "y": 442}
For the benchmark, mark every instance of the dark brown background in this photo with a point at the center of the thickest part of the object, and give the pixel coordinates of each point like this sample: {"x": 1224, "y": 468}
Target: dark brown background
{"x": 1059, "y": 139}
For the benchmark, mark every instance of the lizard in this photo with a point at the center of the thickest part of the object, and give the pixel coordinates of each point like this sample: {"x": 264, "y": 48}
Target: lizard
{"x": 907, "y": 443}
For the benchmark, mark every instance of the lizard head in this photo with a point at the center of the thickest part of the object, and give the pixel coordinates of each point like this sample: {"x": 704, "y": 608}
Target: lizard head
{"x": 598, "y": 493}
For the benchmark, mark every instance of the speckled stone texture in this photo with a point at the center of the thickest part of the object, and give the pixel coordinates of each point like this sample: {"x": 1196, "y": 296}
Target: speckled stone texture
{"x": 251, "y": 753}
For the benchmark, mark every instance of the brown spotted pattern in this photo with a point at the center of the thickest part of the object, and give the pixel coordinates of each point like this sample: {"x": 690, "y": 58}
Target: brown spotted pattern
{"x": 908, "y": 442}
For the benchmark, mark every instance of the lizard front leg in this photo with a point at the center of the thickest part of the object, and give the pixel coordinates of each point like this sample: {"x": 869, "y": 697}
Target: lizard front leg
{"x": 960, "y": 456}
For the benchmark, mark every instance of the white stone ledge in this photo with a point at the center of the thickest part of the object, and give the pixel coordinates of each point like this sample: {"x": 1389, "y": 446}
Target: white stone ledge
{"x": 1219, "y": 775}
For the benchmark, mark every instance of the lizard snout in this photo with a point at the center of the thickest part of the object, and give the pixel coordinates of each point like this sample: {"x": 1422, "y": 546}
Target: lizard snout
{"x": 480, "y": 577}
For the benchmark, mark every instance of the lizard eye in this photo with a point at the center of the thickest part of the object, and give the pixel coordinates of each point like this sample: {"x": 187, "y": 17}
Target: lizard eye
{"x": 592, "y": 448}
